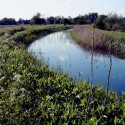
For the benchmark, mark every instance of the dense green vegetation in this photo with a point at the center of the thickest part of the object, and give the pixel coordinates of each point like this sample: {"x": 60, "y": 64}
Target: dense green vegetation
{"x": 32, "y": 94}
{"x": 12, "y": 21}
{"x": 100, "y": 40}
{"x": 111, "y": 22}
{"x": 26, "y": 34}
{"x": 38, "y": 20}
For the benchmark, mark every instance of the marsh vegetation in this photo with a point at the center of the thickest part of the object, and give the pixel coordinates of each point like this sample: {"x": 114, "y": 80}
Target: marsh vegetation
{"x": 60, "y": 50}
{"x": 32, "y": 93}
{"x": 104, "y": 41}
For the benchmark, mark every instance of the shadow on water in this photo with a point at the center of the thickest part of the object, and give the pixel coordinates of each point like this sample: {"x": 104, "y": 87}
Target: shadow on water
{"x": 60, "y": 50}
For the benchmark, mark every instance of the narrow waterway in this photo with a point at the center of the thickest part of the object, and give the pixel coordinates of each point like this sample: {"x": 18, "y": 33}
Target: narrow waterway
{"x": 60, "y": 50}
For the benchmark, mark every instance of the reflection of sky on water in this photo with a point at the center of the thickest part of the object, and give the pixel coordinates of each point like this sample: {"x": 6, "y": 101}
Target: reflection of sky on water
{"x": 63, "y": 58}
{"x": 59, "y": 50}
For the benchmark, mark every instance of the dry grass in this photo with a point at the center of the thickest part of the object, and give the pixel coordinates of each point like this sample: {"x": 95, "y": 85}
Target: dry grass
{"x": 104, "y": 41}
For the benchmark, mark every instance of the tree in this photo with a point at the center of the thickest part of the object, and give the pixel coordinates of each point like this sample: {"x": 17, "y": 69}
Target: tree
{"x": 58, "y": 20}
{"x": 93, "y": 17}
{"x": 51, "y": 20}
{"x": 37, "y": 20}
{"x": 99, "y": 23}
{"x": 66, "y": 21}
{"x": 111, "y": 22}
{"x": 22, "y": 21}
{"x": 8, "y": 21}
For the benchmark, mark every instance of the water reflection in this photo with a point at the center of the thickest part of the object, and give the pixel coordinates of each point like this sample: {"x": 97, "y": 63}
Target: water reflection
{"x": 109, "y": 74}
{"x": 59, "y": 50}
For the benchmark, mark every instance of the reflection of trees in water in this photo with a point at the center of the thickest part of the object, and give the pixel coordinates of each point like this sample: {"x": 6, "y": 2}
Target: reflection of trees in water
{"x": 92, "y": 67}
{"x": 110, "y": 68}
{"x": 92, "y": 55}
{"x": 109, "y": 73}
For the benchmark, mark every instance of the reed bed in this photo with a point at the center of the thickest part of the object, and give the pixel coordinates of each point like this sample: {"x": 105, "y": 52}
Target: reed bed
{"x": 104, "y": 41}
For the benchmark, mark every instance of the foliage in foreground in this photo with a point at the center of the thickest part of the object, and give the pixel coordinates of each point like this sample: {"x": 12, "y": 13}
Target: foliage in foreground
{"x": 31, "y": 93}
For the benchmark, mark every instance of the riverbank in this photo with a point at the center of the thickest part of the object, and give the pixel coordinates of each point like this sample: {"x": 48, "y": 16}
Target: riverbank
{"x": 31, "y": 93}
{"x": 104, "y": 41}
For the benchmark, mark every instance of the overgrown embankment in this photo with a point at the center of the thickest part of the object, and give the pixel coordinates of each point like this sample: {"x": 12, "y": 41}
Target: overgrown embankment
{"x": 32, "y": 94}
{"x": 103, "y": 41}
{"x": 27, "y": 34}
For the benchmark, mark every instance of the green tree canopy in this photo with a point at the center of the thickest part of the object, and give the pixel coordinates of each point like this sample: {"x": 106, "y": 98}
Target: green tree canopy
{"x": 37, "y": 19}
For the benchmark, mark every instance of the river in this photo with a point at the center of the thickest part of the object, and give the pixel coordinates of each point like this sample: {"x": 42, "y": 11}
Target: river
{"x": 60, "y": 50}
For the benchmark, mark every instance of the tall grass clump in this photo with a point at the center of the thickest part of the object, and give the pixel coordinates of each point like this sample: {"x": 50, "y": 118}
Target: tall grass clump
{"x": 104, "y": 41}
{"x": 33, "y": 94}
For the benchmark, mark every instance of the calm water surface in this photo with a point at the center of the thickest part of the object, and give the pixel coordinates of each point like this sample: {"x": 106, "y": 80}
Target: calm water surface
{"x": 59, "y": 50}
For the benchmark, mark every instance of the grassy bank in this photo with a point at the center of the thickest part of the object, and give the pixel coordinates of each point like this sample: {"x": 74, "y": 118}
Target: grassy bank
{"x": 104, "y": 41}
{"x": 32, "y": 94}
{"x": 27, "y": 34}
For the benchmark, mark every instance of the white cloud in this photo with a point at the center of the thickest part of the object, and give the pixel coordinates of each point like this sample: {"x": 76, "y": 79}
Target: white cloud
{"x": 63, "y": 58}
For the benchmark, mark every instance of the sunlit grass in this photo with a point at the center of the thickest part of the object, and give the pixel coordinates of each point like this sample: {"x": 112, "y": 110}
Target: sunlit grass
{"x": 115, "y": 34}
{"x": 104, "y": 41}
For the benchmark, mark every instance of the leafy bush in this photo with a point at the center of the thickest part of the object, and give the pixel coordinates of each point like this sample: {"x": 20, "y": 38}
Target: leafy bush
{"x": 111, "y": 22}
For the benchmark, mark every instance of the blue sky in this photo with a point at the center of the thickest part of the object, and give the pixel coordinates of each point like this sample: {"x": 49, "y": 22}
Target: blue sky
{"x": 27, "y": 8}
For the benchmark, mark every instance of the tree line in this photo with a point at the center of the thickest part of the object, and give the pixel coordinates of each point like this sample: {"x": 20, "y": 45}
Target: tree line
{"x": 111, "y": 21}
{"x": 12, "y": 21}
{"x": 37, "y": 19}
